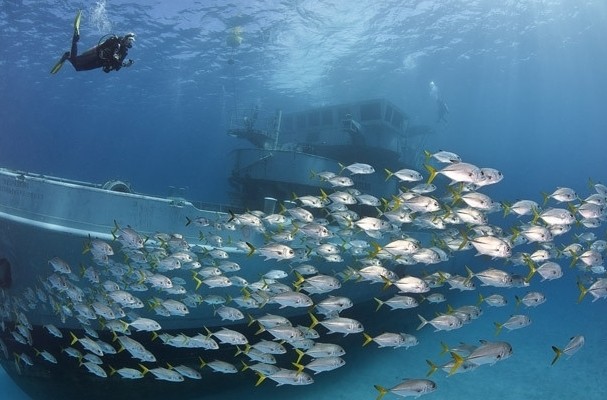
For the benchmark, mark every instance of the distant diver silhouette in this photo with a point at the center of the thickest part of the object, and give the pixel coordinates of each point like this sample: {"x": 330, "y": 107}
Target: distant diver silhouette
{"x": 441, "y": 106}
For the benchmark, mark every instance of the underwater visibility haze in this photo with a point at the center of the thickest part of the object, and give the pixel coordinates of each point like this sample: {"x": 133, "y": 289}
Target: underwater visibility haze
{"x": 519, "y": 87}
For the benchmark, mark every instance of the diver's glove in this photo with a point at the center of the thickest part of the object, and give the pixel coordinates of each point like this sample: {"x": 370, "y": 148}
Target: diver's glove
{"x": 128, "y": 63}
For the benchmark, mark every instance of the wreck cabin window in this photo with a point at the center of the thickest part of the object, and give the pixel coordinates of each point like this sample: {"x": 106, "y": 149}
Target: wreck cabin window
{"x": 371, "y": 111}
{"x": 397, "y": 119}
{"x": 313, "y": 136}
{"x": 287, "y": 123}
{"x": 301, "y": 121}
{"x": 314, "y": 118}
{"x": 327, "y": 117}
{"x": 388, "y": 116}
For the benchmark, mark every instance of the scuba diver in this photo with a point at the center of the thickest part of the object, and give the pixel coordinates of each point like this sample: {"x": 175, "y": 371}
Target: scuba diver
{"x": 108, "y": 55}
{"x": 441, "y": 106}
{"x": 442, "y": 110}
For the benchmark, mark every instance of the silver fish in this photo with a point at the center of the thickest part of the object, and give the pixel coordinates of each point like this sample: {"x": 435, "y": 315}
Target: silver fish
{"x": 273, "y": 251}
{"x": 408, "y": 388}
{"x": 398, "y": 302}
{"x": 514, "y": 322}
{"x": 393, "y": 340}
{"x": 358, "y": 168}
{"x": 486, "y": 353}
{"x": 287, "y": 377}
{"x": 405, "y": 175}
{"x": 441, "y": 323}
{"x": 493, "y": 277}
{"x": 575, "y": 343}
{"x": 339, "y": 325}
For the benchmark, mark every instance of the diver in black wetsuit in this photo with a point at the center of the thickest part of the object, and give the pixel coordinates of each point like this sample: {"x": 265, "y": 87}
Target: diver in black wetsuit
{"x": 108, "y": 55}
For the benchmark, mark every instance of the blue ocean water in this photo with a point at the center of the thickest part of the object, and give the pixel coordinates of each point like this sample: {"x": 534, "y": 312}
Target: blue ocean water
{"x": 525, "y": 84}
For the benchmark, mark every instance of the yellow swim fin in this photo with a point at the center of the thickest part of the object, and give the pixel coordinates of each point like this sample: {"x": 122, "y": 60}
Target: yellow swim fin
{"x": 57, "y": 66}
{"x": 77, "y": 22}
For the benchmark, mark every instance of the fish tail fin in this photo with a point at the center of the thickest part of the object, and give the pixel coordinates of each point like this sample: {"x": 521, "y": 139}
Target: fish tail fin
{"x": 299, "y": 281}
{"x": 209, "y": 333}
{"x": 376, "y": 249}
{"x": 154, "y": 335}
{"x": 74, "y": 339}
{"x": 251, "y": 249}
{"x": 465, "y": 240}
{"x": 300, "y": 354}
{"x": 314, "y": 320}
{"x": 389, "y": 173}
{"x": 433, "y": 367}
{"x": 197, "y": 280}
{"x": 87, "y": 246}
{"x": 583, "y": 291}
{"x": 458, "y": 361}
{"x": 379, "y": 304}
{"x": 112, "y": 370}
{"x": 202, "y": 363}
{"x": 144, "y": 370}
{"x": 423, "y": 323}
{"x": 428, "y": 155}
{"x": 536, "y": 215}
{"x": 574, "y": 259}
{"x": 444, "y": 348}
{"x": 507, "y": 207}
{"x": 573, "y": 209}
{"x": 558, "y": 353}
{"x": 341, "y": 168}
{"x": 323, "y": 195}
{"x": 442, "y": 277}
{"x": 481, "y": 299}
{"x": 244, "y": 366}
{"x": 456, "y": 193}
{"x": 261, "y": 328}
{"x": 532, "y": 269}
{"x": 299, "y": 367}
{"x": 382, "y": 391}
{"x": 116, "y": 229}
{"x": 124, "y": 325}
{"x": 262, "y": 377}
{"x": 546, "y": 196}
{"x": 368, "y": 339}
{"x": 515, "y": 234}
{"x": 470, "y": 274}
{"x": 188, "y": 221}
{"x": 387, "y": 282}
{"x": 498, "y": 328}
{"x": 432, "y": 171}
{"x": 518, "y": 301}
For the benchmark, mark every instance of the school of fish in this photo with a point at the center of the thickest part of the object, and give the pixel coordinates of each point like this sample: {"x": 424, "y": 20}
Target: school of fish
{"x": 136, "y": 282}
